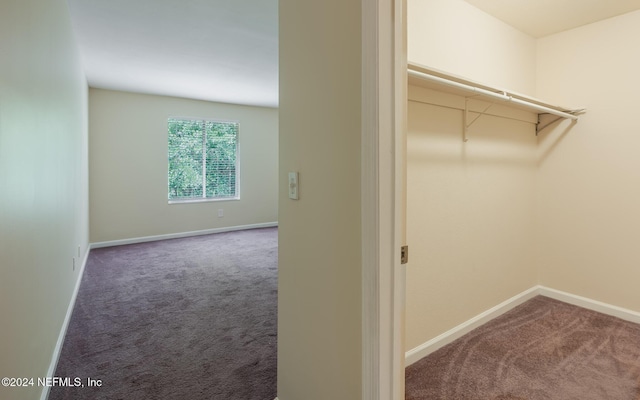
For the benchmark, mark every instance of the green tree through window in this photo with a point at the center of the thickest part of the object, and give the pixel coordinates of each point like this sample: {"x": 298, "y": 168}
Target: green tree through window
{"x": 203, "y": 159}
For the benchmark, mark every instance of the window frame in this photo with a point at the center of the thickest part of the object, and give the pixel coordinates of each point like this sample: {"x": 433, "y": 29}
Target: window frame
{"x": 237, "y": 166}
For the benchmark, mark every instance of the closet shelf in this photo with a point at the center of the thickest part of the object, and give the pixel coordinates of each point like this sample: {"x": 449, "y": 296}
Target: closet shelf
{"x": 439, "y": 80}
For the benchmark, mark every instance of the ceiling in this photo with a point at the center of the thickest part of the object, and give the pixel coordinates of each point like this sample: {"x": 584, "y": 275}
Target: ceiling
{"x": 227, "y": 50}
{"x": 539, "y": 18}
{"x": 216, "y": 50}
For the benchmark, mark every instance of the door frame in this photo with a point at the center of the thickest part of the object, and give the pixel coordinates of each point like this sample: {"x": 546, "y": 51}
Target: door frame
{"x": 383, "y": 202}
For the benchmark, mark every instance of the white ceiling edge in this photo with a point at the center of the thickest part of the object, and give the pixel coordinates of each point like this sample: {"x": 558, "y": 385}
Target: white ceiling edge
{"x": 213, "y": 50}
{"x": 189, "y": 86}
{"x": 539, "y": 18}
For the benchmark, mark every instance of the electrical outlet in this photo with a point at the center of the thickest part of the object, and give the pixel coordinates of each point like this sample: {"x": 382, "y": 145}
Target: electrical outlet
{"x": 220, "y": 213}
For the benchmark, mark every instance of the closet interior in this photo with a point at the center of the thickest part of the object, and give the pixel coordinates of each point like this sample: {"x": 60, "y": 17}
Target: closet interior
{"x": 509, "y": 196}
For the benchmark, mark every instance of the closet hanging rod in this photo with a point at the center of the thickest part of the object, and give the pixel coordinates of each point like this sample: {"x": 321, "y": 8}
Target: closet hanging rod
{"x": 499, "y": 96}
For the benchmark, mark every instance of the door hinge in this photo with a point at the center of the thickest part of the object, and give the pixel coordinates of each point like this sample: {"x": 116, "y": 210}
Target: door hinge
{"x": 404, "y": 254}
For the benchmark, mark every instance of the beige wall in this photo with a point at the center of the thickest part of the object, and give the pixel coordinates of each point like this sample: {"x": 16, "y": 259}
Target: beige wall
{"x": 43, "y": 179}
{"x": 471, "y": 211}
{"x": 454, "y": 36}
{"x": 319, "y": 314}
{"x": 589, "y": 175}
{"x": 471, "y": 207}
{"x": 128, "y": 166}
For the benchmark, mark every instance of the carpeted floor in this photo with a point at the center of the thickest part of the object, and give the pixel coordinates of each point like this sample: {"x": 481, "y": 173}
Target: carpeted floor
{"x": 542, "y": 350}
{"x": 191, "y": 318}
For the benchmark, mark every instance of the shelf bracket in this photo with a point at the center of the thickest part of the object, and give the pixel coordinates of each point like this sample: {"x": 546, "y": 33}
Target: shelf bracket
{"x": 546, "y": 119}
{"x": 465, "y": 118}
{"x": 540, "y": 126}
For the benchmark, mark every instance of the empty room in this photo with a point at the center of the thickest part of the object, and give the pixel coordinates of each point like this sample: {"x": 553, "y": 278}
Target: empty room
{"x": 513, "y": 181}
{"x": 144, "y": 265}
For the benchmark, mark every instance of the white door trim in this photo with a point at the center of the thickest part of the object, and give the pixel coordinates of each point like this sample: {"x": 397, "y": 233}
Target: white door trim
{"x": 382, "y": 203}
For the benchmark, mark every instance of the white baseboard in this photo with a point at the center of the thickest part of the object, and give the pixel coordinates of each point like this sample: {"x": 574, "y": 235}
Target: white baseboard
{"x": 595, "y": 305}
{"x": 449, "y": 336}
{"x": 65, "y": 325}
{"x": 181, "y": 235}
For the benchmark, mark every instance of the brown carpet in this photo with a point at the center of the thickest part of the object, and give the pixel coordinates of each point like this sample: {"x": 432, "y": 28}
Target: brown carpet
{"x": 191, "y": 318}
{"x": 544, "y": 349}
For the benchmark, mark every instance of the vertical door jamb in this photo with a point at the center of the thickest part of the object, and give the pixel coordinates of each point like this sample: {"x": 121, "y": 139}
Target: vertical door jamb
{"x": 383, "y": 197}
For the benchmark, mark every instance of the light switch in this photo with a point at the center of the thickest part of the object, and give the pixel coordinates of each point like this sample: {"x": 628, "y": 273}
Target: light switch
{"x": 293, "y": 185}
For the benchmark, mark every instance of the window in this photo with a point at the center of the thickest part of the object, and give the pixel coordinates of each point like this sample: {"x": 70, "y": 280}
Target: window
{"x": 203, "y": 160}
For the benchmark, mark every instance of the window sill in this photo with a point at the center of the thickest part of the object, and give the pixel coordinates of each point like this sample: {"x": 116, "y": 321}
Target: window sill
{"x": 203, "y": 200}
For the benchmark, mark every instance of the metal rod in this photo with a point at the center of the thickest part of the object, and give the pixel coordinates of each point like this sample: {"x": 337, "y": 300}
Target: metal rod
{"x": 462, "y": 109}
{"x": 465, "y": 116}
{"x": 544, "y": 109}
{"x": 488, "y": 93}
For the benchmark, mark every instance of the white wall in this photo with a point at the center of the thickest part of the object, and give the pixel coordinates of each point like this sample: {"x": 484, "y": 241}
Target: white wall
{"x": 589, "y": 175}
{"x": 454, "y": 36}
{"x": 128, "y": 166}
{"x": 43, "y": 179}
{"x": 471, "y": 207}
{"x": 319, "y": 306}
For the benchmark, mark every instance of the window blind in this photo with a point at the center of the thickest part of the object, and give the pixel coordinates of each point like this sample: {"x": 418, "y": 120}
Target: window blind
{"x": 203, "y": 159}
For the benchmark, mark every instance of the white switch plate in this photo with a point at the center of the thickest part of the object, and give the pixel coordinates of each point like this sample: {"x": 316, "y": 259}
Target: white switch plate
{"x": 293, "y": 185}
